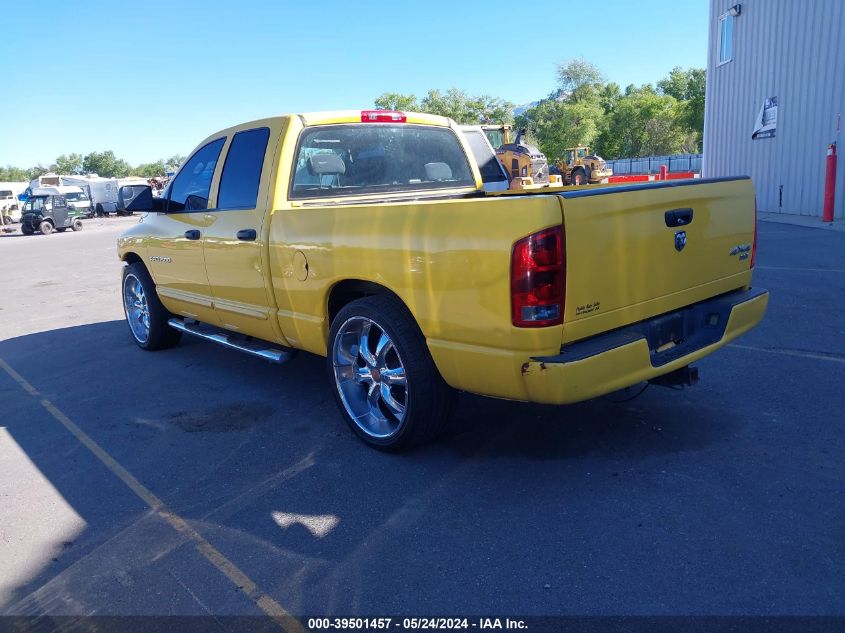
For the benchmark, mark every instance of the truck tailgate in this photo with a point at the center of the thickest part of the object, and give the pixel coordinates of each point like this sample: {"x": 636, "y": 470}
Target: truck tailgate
{"x": 634, "y": 252}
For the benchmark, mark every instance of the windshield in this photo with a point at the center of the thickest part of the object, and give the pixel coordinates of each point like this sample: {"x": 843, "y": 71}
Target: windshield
{"x": 345, "y": 160}
{"x": 496, "y": 137}
{"x": 36, "y": 203}
{"x": 76, "y": 197}
{"x": 6, "y": 195}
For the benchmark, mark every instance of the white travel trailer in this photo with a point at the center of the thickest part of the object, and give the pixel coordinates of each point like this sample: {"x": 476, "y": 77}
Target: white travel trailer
{"x": 101, "y": 191}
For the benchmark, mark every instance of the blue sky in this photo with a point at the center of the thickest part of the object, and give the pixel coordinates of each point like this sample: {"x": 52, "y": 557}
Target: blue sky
{"x": 151, "y": 79}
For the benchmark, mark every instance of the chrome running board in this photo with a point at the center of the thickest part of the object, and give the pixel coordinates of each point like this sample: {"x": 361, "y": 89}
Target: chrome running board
{"x": 232, "y": 340}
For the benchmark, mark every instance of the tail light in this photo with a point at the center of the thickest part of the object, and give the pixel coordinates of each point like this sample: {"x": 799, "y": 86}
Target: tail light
{"x": 754, "y": 243}
{"x": 538, "y": 273}
{"x": 383, "y": 116}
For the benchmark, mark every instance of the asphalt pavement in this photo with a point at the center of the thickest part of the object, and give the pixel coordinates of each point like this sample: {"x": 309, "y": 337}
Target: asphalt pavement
{"x": 251, "y": 495}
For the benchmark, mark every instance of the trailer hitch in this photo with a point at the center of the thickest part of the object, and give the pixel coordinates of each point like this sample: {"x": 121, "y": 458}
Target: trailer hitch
{"x": 683, "y": 377}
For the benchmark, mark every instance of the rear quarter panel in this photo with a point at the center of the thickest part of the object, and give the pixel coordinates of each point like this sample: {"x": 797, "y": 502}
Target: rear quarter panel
{"x": 448, "y": 261}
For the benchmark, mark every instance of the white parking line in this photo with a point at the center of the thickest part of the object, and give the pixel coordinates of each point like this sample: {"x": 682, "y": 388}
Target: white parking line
{"x": 804, "y": 270}
{"x": 232, "y": 572}
{"x": 787, "y": 352}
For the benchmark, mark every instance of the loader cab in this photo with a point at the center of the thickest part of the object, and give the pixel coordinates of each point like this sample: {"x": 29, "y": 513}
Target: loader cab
{"x": 498, "y": 135}
{"x": 575, "y": 155}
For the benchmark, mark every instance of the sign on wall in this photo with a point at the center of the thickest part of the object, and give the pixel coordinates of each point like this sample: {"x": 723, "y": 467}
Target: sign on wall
{"x": 767, "y": 121}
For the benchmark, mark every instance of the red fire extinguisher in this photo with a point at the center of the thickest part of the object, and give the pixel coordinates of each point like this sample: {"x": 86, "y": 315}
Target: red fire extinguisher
{"x": 829, "y": 183}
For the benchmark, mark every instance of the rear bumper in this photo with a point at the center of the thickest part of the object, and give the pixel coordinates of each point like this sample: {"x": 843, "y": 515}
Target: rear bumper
{"x": 615, "y": 360}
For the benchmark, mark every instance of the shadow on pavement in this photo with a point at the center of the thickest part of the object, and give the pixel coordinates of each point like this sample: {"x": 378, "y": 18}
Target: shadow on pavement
{"x": 257, "y": 459}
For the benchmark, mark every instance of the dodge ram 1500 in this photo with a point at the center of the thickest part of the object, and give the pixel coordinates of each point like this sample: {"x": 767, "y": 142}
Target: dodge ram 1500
{"x": 366, "y": 237}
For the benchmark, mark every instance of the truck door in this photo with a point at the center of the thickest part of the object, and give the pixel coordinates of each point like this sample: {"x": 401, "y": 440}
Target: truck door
{"x": 59, "y": 212}
{"x": 235, "y": 239}
{"x": 175, "y": 250}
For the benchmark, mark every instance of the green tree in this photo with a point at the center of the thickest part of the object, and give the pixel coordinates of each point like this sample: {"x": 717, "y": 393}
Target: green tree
{"x": 150, "y": 170}
{"x": 454, "y": 103}
{"x": 467, "y": 110}
{"x": 609, "y": 95}
{"x": 175, "y": 161}
{"x": 578, "y": 80}
{"x": 557, "y": 125}
{"x": 397, "y": 101}
{"x": 68, "y": 164}
{"x": 688, "y": 87}
{"x": 34, "y": 172}
{"x": 643, "y": 123}
{"x": 105, "y": 164}
{"x": 13, "y": 174}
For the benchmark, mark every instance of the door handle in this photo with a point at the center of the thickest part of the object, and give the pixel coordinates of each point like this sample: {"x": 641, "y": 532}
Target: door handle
{"x": 678, "y": 217}
{"x": 193, "y": 234}
{"x": 247, "y": 235}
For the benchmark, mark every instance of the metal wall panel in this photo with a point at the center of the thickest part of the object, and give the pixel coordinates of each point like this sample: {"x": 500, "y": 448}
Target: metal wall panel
{"x": 790, "y": 49}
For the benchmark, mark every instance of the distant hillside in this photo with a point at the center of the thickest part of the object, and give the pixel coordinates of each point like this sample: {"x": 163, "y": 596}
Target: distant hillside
{"x": 522, "y": 108}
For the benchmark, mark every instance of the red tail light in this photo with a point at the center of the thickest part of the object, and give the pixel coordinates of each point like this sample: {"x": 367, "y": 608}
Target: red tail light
{"x": 383, "y": 116}
{"x": 538, "y": 279}
{"x": 754, "y": 243}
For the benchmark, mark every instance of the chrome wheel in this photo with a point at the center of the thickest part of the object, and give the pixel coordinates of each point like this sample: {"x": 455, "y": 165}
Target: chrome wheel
{"x": 137, "y": 309}
{"x": 370, "y": 377}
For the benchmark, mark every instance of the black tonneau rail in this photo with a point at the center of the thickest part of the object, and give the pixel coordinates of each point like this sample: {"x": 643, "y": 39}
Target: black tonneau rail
{"x": 598, "y": 191}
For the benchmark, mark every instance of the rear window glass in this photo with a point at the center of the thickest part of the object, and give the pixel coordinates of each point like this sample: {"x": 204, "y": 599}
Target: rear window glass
{"x": 242, "y": 170}
{"x": 346, "y": 160}
{"x": 488, "y": 164}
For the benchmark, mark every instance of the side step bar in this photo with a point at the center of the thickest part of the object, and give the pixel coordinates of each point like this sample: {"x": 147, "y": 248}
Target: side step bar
{"x": 239, "y": 342}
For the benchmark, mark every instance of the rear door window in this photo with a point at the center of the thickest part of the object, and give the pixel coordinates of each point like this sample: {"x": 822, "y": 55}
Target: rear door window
{"x": 193, "y": 182}
{"x": 242, "y": 170}
{"x": 348, "y": 160}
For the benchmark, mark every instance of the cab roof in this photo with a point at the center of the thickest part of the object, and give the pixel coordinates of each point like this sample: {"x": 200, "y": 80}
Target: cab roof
{"x": 354, "y": 116}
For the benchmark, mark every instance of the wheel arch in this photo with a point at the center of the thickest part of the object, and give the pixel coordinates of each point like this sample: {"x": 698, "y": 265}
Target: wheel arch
{"x": 131, "y": 257}
{"x": 348, "y": 290}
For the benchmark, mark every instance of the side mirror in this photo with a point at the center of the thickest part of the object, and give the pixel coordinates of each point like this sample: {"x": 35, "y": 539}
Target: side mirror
{"x": 136, "y": 198}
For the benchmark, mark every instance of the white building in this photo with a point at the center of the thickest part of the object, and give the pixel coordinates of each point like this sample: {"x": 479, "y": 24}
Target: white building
{"x": 775, "y": 90}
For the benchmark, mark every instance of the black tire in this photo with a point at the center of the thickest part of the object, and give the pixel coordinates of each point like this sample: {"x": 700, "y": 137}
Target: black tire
{"x": 26, "y": 229}
{"x": 77, "y": 225}
{"x": 46, "y": 227}
{"x": 161, "y": 335}
{"x": 427, "y": 398}
{"x": 579, "y": 177}
{"x": 99, "y": 211}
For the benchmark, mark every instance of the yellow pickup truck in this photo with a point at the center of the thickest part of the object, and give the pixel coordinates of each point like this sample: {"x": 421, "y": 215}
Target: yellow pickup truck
{"x": 366, "y": 237}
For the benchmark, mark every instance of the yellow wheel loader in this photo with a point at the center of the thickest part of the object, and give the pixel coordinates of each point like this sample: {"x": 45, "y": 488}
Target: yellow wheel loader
{"x": 579, "y": 167}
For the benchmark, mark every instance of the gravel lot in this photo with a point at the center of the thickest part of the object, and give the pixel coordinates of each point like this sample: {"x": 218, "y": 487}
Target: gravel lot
{"x": 727, "y": 498}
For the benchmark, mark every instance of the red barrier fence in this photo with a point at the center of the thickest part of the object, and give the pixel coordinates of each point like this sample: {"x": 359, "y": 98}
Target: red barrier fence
{"x": 677, "y": 175}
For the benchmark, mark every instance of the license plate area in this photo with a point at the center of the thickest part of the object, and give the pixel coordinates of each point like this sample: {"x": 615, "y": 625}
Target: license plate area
{"x": 667, "y": 331}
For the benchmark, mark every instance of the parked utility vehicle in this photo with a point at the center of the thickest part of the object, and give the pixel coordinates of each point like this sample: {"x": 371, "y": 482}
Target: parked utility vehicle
{"x": 366, "y": 237}
{"x": 48, "y": 210}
